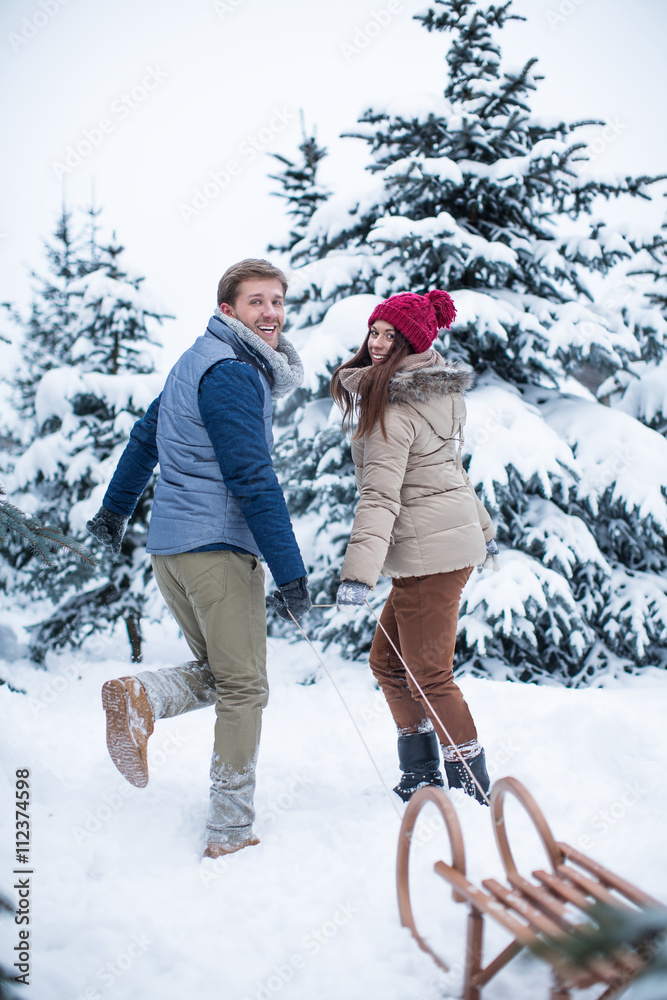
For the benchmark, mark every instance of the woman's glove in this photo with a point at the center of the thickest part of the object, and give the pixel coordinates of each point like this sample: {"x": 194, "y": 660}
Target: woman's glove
{"x": 492, "y": 553}
{"x": 292, "y": 600}
{"x": 352, "y": 593}
{"x": 108, "y": 528}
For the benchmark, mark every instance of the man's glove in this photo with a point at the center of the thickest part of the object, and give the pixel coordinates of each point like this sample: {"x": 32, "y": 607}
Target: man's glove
{"x": 108, "y": 528}
{"x": 292, "y": 600}
{"x": 492, "y": 553}
{"x": 351, "y": 593}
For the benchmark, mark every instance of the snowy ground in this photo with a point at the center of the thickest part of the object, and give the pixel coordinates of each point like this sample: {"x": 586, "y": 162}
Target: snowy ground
{"x": 123, "y": 907}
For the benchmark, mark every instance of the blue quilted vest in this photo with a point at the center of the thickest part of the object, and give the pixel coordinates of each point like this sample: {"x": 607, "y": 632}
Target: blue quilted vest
{"x": 192, "y": 505}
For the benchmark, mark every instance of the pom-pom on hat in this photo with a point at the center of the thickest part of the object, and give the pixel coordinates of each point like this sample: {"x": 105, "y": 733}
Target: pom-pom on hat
{"x": 417, "y": 317}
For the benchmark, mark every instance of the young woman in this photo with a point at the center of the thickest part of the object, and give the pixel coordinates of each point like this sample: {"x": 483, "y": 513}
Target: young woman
{"x": 420, "y": 522}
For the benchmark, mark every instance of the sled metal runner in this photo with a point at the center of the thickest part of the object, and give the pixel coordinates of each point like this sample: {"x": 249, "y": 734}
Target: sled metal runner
{"x": 550, "y": 915}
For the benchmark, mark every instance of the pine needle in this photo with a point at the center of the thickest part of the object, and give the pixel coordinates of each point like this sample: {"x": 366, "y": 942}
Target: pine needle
{"x": 39, "y": 535}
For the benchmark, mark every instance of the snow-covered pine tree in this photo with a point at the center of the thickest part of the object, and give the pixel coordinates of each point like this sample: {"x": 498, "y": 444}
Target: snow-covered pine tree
{"x": 640, "y": 388}
{"x": 469, "y": 191}
{"x": 303, "y": 193}
{"x": 42, "y": 340}
{"x": 70, "y": 255}
{"x": 300, "y": 186}
{"x": 84, "y": 407}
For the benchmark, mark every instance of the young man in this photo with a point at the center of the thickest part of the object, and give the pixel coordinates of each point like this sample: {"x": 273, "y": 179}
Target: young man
{"x": 218, "y": 507}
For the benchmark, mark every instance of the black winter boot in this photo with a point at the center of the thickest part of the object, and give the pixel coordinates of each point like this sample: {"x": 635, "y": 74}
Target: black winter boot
{"x": 419, "y": 760}
{"x": 458, "y": 777}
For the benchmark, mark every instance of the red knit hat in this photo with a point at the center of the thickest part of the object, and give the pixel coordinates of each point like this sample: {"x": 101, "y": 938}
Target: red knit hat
{"x": 417, "y": 317}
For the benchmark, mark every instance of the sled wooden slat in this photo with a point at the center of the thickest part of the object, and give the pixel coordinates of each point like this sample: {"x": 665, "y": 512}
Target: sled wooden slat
{"x": 594, "y": 889}
{"x": 515, "y": 901}
{"x": 627, "y": 963}
{"x": 551, "y": 916}
{"x": 564, "y": 889}
{"x": 548, "y": 931}
{"x": 610, "y": 879}
{"x": 548, "y": 902}
{"x": 487, "y": 904}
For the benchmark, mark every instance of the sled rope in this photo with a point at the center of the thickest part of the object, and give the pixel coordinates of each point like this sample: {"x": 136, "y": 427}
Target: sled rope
{"x": 347, "y": 709}
{"x": 417, "y": 685}
{"x": 433, "y": 711}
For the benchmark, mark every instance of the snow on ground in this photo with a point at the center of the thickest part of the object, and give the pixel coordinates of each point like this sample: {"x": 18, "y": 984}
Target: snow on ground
{"x": 123, "y": 907}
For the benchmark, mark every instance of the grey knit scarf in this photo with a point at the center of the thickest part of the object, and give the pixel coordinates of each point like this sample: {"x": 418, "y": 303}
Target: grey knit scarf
{"x": 284, "y": 362}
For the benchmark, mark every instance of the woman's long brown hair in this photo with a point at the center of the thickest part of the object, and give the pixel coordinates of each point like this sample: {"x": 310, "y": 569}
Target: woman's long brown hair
{"x": 370, "y": 405}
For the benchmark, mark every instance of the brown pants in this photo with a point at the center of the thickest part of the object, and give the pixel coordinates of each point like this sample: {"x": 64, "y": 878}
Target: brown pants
{"x": 420, "y": 617}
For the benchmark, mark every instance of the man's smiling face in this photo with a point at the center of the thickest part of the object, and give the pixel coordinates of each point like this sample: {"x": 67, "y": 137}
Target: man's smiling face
{"x": 260, "y": 305}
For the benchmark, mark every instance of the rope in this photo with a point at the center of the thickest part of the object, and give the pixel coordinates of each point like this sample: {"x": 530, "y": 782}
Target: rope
{"x": 433, "y": 711}
{"x": 347, "y": 709}
{"x": 417, "y": 685}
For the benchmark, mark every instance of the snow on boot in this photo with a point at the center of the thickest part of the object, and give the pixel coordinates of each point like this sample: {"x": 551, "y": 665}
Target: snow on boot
{"x": 419, "y": 760}
{"x": 458, "y": 776}
{"x": 129, "y": 724}
{"x": 219, "y": 850}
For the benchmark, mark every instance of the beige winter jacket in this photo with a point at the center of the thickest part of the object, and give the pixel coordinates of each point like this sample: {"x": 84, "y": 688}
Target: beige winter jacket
{"x": 418, "y": 513}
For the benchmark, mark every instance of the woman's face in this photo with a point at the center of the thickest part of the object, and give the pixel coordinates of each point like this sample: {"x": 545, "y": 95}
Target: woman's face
{"x": 381, "y": 341}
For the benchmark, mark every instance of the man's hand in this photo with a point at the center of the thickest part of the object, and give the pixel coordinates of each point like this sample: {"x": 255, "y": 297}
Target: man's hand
{"x": 292, "y": 600}
{"x": 108, "y": 528}
{"x": 351, "y": 593}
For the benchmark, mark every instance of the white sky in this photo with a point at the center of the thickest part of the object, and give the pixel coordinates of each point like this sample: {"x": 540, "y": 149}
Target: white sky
{"x": 221, "y": 77}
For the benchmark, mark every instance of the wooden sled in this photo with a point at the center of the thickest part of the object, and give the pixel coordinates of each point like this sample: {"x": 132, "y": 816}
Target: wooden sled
{"x": 550, "y": 915}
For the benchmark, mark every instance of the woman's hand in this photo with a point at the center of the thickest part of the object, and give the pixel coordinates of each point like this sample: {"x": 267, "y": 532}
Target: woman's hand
{"x": 492, "y": 553}
{"x": 351, "y": 593}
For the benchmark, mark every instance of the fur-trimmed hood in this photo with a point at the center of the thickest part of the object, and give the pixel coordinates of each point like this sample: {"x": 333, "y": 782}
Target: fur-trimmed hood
{"x": 422, "y": 378}
{"x": 423, "y": 385}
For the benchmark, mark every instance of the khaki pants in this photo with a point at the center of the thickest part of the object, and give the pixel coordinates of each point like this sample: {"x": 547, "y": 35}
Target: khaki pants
{"x": 421, "y": 616}
{"x": 217, "y": 598}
